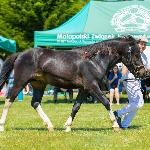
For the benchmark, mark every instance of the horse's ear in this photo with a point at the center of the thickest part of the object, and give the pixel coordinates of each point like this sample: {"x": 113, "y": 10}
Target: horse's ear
{"x": 123, "y": 37}
{"x": 128, "y": 38}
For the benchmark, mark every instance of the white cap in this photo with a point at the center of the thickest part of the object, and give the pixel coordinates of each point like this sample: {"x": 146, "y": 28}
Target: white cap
{"x": 144, "y": 39}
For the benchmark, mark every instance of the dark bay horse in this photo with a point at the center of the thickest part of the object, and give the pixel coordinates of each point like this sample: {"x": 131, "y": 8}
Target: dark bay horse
{"x": 81, "y": 67}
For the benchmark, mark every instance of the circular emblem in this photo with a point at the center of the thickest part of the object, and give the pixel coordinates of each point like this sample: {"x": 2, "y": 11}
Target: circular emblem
{"x": 131, "y": 18}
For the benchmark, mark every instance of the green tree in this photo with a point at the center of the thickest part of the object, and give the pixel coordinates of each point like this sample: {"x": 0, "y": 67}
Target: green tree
{"x": 19, "y": 18}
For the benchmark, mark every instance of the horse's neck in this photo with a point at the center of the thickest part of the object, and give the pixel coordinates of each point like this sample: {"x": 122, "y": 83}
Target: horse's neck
{"x": 104, "y": 52}
{"x": 113, "y": 61}
{"x": 114, "y": 54}
{"x": 102, "y": 64}
{"x": 108, "y": 61}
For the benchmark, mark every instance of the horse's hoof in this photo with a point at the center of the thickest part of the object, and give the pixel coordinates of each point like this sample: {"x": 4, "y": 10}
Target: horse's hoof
{"x": 116, "y": 129}
{"x": 50, "y": 129}
{"x": 115, "y": 125}
{"x": 1, "y": 128}
{"x": 68, "y": 129}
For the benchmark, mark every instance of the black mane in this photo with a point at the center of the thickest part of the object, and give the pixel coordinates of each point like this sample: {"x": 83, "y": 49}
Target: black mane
{"x": 103, "y": 47}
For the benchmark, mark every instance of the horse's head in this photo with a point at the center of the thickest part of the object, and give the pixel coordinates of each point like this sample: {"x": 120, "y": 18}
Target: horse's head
{"x": 131, "y": 57}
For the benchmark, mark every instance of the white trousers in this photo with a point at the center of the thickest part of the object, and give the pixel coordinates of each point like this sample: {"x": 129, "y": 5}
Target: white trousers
{"x": 129, "y": 111}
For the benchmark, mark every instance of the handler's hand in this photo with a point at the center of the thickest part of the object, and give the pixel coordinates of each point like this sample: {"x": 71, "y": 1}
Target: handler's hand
{"x": 115, "y": 76}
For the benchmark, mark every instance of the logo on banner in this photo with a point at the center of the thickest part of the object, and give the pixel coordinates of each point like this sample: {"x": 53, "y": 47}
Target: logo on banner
{"x": 131, "y": 18}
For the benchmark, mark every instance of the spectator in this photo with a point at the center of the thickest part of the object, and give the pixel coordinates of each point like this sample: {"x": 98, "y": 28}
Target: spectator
{"x": 114, "y": 81}
{"x": 26, "y": 90}
{"x": 10, "y": 84}
{"x": 120, "y": 65}
{"x": 89, "y": 99}
{"x": 1, "y": 64}
{"x": 57, "y": 89}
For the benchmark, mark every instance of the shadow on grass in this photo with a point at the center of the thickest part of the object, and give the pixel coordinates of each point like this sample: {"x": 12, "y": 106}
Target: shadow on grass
{"x": 62, "y": 129}
{"x": 91, "y": 129}
{"x": 30, "y": 129}
{"x": 134, "y": 127}
{"x": 59, "y": 101}
{"x": 67, "y": 101}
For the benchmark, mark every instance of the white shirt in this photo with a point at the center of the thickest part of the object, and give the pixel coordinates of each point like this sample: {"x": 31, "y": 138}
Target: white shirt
{"x": 146, "y": 58}
{"x": 132, "y": 85}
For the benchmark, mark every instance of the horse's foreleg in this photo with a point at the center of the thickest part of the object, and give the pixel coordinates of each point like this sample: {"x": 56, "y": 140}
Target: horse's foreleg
{"x": 100, "y": 96}
{"x": 44, "y": 117}
{"x": 106, "y": 103}
{"x": 36, "y": 104}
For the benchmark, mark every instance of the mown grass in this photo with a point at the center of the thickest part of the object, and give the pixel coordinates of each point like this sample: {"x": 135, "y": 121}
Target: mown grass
{"x": 91, "y": 129}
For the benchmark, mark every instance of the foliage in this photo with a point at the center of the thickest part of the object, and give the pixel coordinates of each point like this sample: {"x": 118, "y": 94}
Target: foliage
{"x": 19, "y": 18}
{"x": 91, "y": 128}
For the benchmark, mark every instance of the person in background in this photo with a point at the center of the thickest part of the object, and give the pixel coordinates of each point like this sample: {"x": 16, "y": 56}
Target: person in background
{"x": 120, "y": 65}
{"x": 57, "y": 89}
{"x": 135, "y": 97}
{"x": 1, "y": 64}
{"x": 3, "y": 91}
{"x": 114, "y": 81}
{"x": 10, "y": 84}
{"x": 26, "y": 90}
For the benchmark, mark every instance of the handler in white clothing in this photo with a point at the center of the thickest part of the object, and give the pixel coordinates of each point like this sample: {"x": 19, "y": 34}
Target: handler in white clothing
{"x": 145, "y": 55}
{"x": 145, "y": 52}
{"x": 135, "y": 97}
{"x": 133, "y": 89}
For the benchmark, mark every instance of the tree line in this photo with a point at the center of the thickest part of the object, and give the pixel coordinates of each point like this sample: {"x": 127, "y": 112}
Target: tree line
{"x": 20, "y": 18}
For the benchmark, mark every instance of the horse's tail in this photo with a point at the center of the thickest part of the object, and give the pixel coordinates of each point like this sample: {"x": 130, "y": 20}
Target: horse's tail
{"x": 7, "y": 68}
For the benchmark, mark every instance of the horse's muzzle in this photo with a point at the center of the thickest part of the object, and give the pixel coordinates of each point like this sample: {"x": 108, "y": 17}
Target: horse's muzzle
{"x": 140, "y": 72}
{"x": 147, "y": 74}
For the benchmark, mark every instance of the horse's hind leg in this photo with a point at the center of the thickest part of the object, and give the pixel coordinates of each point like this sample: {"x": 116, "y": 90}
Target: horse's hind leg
{"x": 4, "y": 114}
{"x": 81, "y": 95}
{"x": 21, "y": 77}
{"x": 36, "y": 104}
{"x": 13, "y": 92}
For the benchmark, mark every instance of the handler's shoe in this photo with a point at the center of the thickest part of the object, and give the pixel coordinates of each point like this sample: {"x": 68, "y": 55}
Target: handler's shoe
{"x": 124, "y": 128}
{"x": 117, "y": 118}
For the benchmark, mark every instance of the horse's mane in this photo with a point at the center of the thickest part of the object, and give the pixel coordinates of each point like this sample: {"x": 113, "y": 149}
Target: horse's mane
{"x": 103, "y": 47}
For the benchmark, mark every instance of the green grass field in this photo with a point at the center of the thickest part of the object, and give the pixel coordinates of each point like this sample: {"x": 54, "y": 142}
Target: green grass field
{"x": 91, "y": 129}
